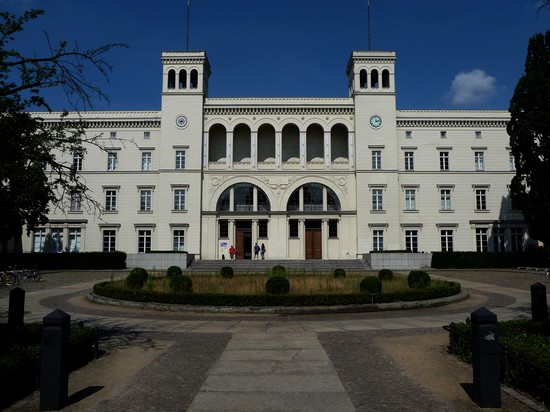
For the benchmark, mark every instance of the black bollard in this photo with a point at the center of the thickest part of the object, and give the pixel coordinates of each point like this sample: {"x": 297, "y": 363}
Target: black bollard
{"x": 54, "y": 371}
{"x": 539, "y": 306}
{"x": 485, "y": 360}
{"x": 16, "y": 311}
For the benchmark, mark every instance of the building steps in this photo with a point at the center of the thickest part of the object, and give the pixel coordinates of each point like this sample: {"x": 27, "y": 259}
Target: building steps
{"x": 310, "y": 266}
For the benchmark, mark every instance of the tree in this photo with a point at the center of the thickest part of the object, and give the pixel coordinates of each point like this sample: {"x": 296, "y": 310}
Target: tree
{"x": 529, "y": 130}
{"x": 34, "y": 173}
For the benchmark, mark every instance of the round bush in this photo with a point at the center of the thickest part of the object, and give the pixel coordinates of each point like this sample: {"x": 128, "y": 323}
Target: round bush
{"x": 137, "y": 278}
{"x": 277, "y": 285}
{"x": 173, "y": 271}
{"x": 278, "y": 270}
{"x": 371, "y": 284}
{"x": 385, "y": 274}
{"x": 181, "y": 283}
{"x": 226, "y": 272}
{"x": 418, "y": 279}
{"x": 339, "y": 273}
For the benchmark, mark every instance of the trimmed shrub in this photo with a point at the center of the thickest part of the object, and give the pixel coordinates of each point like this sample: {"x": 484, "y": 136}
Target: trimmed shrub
{"x": 339, "y": 273}
{"x": 136, "y": 278}
{"x": 371, "y": 284}
{"x": 278, "y": 270}
{"x": 173, "y": 271}
{"x": 181, "y": 283}
{"x": 385, "y": 274}
{"x": 277, "y": 285}
{"x": 418, "y": 279}
{"x": 226, "y": 272}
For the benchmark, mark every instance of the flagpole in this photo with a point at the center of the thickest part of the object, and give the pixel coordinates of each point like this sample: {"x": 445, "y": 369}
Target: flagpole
{"x": 188, "y": 9}
{"x": 368, "y": 20}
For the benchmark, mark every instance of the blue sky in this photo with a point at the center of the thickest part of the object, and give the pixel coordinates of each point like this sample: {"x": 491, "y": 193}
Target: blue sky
{"x": 451, "y": 54}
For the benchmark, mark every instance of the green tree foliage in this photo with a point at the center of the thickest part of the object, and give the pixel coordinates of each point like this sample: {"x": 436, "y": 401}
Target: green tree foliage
{"x": 35, "y": 173}
{"x": 529, "y": 130}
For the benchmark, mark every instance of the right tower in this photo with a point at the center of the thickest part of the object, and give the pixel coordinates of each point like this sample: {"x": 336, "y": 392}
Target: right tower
{"x": 371, "y": 77}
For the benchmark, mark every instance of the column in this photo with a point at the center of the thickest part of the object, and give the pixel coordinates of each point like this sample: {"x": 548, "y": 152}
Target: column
{"x": 229, "y": 149}
{"x": 328, "y": 153}
{"x": 254, "y": 148}
{"x": 302, "y": 236}
{"x": 254, "y": 232}
{"x": 324, "y": 236}
{"x": 278, "y": 149}
{"x": 303, "y": 152}
{"x": 351, "y": 148}
{"x": 205, "y": 150}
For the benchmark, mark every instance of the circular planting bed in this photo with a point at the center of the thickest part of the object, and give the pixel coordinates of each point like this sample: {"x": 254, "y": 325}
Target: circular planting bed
{"x": 276, "y": 292}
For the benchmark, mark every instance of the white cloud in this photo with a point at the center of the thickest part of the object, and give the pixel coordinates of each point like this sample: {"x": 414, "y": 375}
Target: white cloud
{"x": 472, "y": 87}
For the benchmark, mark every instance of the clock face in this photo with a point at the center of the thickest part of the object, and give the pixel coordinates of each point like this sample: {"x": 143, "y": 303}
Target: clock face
{"x": 376, "y": 121}
{"x": 181, "y": 121}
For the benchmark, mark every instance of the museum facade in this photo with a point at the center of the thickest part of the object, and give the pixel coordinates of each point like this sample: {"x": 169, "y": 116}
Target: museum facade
{"x": 310, "y": 178}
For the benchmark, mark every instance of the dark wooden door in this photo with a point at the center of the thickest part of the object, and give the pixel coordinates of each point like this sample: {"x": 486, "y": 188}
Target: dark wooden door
{"x": 314, "y": 244}
{"x": 243, "y": 241}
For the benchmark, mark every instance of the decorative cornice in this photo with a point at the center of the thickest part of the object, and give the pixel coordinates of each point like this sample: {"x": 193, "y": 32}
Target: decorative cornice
{"x": 279, "y": 111}
{"x": 449, "y": 123}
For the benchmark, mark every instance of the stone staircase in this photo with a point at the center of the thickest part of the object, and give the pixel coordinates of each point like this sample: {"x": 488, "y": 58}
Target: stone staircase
{"x": 351, "y": 266}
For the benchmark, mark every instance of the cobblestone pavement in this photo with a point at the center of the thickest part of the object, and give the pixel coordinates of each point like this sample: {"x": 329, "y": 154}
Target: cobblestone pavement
{"x": 386, "y": 361}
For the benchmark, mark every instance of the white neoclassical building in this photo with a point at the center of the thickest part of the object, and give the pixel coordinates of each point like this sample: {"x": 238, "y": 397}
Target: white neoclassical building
{"x": 319, "y": 178}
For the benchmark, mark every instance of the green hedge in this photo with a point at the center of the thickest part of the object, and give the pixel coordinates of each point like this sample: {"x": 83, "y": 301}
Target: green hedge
{"x": 481, "y": 260}
{"x": 529, "y": 354}
{"x": 64, "y": 261}
{"x": 106, "y": 289}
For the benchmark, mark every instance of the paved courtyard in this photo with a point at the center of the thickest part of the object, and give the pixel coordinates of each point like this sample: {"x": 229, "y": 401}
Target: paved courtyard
{"x": 184, "y": 361}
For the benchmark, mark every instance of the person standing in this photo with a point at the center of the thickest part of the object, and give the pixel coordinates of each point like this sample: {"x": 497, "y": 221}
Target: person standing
{"x": 256, "y": 251}
{"x": 232, "y": 252}
{"x": 262, "y": 251}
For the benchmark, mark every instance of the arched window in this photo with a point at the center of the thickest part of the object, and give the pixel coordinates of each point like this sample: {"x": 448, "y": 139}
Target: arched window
{"x": 291, "y": 143}
{"x": 182, "y": 81}
{"x": 315, "y": 137}
{"x": 266, "y": 143}
{"x": 363, "y": 83}
{"x": 374, "y": 79}
{"x": 339, "y": 143}
{"x": 223, "y": 201}
{"x": 241, "y": 143}
{"x": 385, "y": 78}
{"x": 217, "y": 143}
{"x": 194, "y": 81}
{"x": 171, "y": 79}
{"x": 243, "y": 199}
{"x": 313, "y": 197}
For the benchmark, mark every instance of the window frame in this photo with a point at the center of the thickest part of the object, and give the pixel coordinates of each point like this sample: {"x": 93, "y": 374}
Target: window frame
{"x": 409, "y": 161}
{"x": 146, "y": 161}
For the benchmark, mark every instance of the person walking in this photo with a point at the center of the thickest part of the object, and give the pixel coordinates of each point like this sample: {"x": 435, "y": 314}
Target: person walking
{"x": 262, "y": 251}
{"x": 256, "y": 251}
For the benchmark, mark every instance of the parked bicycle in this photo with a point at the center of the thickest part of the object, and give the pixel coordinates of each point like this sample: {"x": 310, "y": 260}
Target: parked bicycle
{"x": 7, "y": 279}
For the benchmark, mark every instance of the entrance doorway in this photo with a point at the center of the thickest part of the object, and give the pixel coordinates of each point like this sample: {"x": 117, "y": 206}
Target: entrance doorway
{"x": 314, "y": 240}
{"x": 243, "y": 239}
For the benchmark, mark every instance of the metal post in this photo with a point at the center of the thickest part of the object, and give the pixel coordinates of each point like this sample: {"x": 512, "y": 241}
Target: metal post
{"x": 539, "y": 305}
{"x": 485, "y": 360}
{"x": 16, "y": 312}
{"x": 54, "y": 375}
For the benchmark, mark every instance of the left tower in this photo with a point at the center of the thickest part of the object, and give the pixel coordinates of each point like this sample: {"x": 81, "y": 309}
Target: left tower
{"x": 184, "y": 88}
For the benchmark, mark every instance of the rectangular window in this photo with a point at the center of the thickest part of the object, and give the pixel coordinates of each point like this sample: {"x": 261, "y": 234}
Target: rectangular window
{"x": 481, "y": 199}
{"x": 443, "y": 134}
{"x": 145, "y": 200}
{"x": 377, "y": 199}
{"x": 56, "y": 243}
{"x": 446, "y": 240}
{"x": 445, "y": 196}
{"x": 409, "y": 160}
{"x": 146, "y": 161}
{"x": 517, "y": 239}
{"x": 481, "y": 240}
{"x": 479, "y": 161}
{"x": 376, "y": 160}
{"x": 75, "y": 236}
{"x": 109, "y": 240}
{"x": 179, "y": 199}
{"x": 113, "y": 135}
{"x": 146, "y": 135}
{"x": 180, "y": 159}
{"x": 443, "y": 160}
{"x": 333, "y": 228}
{"x": 411, "y": 240}
{"x": 144, "y": 240}
{"x": 512, "y": 162}
{"x": 293, "y": 228}
{"x": 478, "y": 134}
{"x": 410, "y": 199}
{"x": 112, "y": 161}
{"x": 77, "y": 161}
{"x": 378, "y": 240}
{"x": 498, "y": 240}
{"x": 408, "y": 134}
{"x": 179, "y": 240}
{"x": 224, "y": 228}
{"x": 262, "y": 229}
{"x": 110, "y": 200}
{"x": 38, "y": 240}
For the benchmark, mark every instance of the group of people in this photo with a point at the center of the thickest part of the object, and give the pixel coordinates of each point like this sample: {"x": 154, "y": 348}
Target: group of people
{"x": 258, "y": 251}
